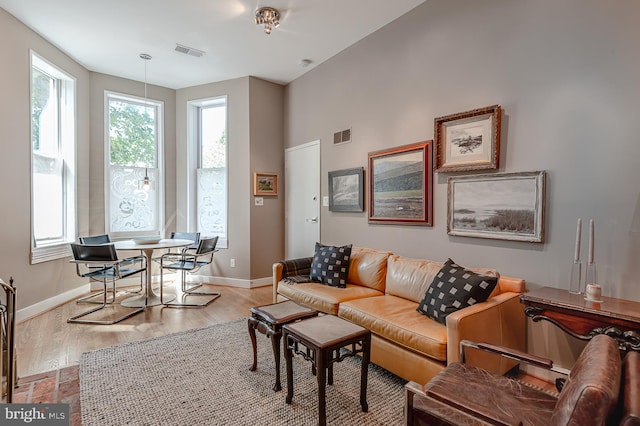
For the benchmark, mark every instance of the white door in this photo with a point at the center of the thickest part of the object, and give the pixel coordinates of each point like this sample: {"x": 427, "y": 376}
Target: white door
{"x": 302, "y": 199}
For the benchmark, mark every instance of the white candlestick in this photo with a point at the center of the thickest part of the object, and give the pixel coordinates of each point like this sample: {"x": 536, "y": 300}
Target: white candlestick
{"x": 576, "y": 256}
{"x": 591, "y": 240}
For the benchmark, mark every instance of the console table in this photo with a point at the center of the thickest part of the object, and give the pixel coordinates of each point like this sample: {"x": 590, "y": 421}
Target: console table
{"x": 583, "y": 319}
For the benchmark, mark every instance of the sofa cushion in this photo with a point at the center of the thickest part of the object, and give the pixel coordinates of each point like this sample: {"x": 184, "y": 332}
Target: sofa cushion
{"x": 395, "y": 319}
{"x": 368, "y": 267}
{"x": 455, "y": 288}
{"x": 410, "y": 278}
{"x": 330, "y": 265}
{"x": 323, "y": 297}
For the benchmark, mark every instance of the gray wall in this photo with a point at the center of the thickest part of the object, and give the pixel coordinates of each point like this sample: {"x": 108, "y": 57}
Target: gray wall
{"x": 44, "y": 280}
{"x": 565, "y": 73}
{"x": 255, "y": 143}
{"x": 266, "y": 106}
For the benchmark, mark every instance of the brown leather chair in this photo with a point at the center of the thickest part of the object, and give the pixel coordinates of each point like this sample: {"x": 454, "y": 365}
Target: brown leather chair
{"x": 599, "y": 390}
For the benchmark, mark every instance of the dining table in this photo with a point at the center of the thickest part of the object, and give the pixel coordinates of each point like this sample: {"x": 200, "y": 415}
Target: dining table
{"x": 147, "y": 247}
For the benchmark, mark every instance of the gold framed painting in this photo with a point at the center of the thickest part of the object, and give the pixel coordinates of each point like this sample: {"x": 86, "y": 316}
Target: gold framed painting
{"x": 401, "y": 185}
{"x": 265, "y": 183}
{"x": 468, "y": 140}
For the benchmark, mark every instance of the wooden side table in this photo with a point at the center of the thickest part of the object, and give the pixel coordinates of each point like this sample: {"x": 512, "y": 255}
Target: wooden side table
{"x": 269, "y": 320}
{"x": 320, "y": 341}
{"x": 583, "y": 319}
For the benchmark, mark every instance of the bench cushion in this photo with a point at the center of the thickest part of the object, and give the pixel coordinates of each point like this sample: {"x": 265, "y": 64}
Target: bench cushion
{"x": 396, "y": 319}
{"x": 322, "y": 297}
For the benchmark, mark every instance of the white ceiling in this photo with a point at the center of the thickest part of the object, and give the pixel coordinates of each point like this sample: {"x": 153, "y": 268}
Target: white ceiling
{"x": 108, "y": 36}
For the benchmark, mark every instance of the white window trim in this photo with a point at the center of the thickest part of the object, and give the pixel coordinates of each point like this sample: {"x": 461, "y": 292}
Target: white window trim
{"x": 192, "y": 163}
{"x": 58, "y": 249}
{"x": 161, "y": 231}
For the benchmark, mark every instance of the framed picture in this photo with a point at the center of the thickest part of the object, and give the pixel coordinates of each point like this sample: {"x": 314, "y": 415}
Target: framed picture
{"x": 502, "y": 206}
{"x": 346, "y": 190}
{"x": 265, "y": 184}
{"x": 468, "y": 140}
{"x": 401, "y": 185}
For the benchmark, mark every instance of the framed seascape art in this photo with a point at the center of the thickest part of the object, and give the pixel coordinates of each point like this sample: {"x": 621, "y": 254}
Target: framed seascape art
{"x": 502, "y": 206}
{"x": 468, "y": 140}
{"x": 346, "y": 190}
{"x": 265, "y": 184}
{"x": 401, "y": 185}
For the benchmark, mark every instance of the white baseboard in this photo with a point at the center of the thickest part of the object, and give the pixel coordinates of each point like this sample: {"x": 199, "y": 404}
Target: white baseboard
{"x": 48, "y": 304}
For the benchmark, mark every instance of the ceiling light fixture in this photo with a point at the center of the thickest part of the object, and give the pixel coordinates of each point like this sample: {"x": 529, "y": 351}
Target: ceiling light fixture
{"x": 269, "y": 17}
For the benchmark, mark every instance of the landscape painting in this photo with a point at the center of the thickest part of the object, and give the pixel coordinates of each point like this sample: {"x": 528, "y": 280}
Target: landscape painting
{"x": 346, "y": 190}
{"x": 506, "y": 206}
{"x": 265, "y": 183}
{"x": 401, "y": 185}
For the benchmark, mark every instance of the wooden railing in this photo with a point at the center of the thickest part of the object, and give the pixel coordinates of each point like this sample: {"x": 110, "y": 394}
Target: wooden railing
{"x": 7, "y": 330}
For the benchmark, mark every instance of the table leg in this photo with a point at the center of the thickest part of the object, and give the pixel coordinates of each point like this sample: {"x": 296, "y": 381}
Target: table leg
{"x": 366, "y": 353}
{"x": 149, "y": 298}
{"x": 276, "y": 336}
{"x": 252, "y": 323}
{"x": 287, "y": 358}
{"x": 321, "y": 373}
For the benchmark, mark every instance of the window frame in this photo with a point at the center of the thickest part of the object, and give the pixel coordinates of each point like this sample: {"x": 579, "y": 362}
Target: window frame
{"x": 194, "y": 161}
{"x": 66, "y": 95}
{"x": 159, "y": 166}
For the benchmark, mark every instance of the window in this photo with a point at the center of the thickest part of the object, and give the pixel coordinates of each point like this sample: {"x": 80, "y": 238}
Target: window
{"x": 133, "y": 152}
{"x": 208, "y": 160}
{"x": 53, "y": 171}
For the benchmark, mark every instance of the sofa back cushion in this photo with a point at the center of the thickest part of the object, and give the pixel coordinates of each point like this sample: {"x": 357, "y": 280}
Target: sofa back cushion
{"x": 410, "y": 278}
{"x": 368, "y": 267}
{"x": 591, "y": 392}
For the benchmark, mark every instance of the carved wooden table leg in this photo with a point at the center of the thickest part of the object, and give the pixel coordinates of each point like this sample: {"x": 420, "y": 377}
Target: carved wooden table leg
{"x": 253, "y": 323}
{"x": 269, "y": 320}
{"x": 325, "y": 340}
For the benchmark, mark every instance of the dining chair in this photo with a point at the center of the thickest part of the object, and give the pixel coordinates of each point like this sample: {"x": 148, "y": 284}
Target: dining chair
{"x": 188, "y": 261}
{"x": 128, "y": 261}
{"x": 101, "y": 263}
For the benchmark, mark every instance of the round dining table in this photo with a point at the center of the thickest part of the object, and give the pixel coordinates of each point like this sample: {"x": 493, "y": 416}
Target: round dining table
{"x": 150, "y": 298}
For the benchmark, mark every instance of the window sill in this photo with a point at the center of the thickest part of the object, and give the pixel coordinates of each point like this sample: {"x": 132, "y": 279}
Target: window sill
{"x": 46, "y": 254}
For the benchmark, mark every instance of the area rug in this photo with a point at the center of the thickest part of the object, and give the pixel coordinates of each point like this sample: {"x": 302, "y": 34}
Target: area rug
{"x": 202, "y": 377}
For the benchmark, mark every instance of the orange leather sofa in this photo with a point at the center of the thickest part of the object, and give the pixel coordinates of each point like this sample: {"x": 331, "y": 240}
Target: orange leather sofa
{"x": 383, "y": 293}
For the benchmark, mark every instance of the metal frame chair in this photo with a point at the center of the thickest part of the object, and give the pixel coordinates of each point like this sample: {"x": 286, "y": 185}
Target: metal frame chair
{"x": 105, "y": 239}
{"x": 100, "y": 263}
{"x": 189, "y": 260}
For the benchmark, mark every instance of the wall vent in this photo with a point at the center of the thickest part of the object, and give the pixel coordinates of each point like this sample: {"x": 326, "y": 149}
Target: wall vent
{"x": 342, "y": 136}
{"x": 189, "y": 50}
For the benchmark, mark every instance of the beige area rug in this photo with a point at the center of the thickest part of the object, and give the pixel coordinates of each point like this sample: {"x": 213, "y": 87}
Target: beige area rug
{"x": 202, "y": 377}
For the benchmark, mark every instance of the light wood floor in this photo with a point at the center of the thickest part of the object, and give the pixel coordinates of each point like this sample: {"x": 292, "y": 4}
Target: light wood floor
{"x": 47, "y": 342}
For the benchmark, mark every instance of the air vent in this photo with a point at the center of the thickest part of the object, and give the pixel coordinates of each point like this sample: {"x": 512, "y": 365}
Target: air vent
{"x": 189, "y": 50}
{"x": 342, "y": 137}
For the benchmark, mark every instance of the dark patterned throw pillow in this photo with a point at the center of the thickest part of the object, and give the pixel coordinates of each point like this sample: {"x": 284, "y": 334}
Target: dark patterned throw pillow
{"x": 454, "y": 288}
{"x": 330, "y": 265}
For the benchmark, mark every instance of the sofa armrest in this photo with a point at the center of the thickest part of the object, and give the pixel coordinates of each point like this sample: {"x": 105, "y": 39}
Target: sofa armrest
{"x": 288, "y": 268}
{"x": 498, "y": 321}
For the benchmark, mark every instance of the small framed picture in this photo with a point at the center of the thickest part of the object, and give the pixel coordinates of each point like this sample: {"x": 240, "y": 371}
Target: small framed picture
{"x": 501, "y": 206}
{"x": 346, "y": 190}
{"x": 265, "y": 183}
{"x": 468, "y": 140}
{"x": 401, "y": 185}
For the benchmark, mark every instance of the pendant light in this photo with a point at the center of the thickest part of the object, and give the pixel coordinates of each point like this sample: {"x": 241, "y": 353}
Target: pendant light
{"x": 145, "y": 184}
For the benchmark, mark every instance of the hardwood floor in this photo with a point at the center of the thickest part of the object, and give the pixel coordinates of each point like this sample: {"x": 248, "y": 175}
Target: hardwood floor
{"x": 47, "y": 342}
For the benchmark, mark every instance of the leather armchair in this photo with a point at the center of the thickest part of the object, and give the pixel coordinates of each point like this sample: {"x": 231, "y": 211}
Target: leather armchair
{"x": 600, "y": 390}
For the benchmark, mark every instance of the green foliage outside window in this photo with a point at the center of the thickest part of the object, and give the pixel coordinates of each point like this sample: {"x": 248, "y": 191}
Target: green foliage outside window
{"x": 132, "y": 134}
